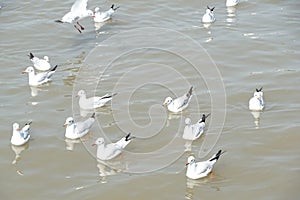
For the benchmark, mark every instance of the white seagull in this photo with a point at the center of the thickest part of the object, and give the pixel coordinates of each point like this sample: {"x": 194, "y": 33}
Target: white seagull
{"x": 75, "y": 130}
{"x": 256, "y": 103}
{"x": 196, "y": 170}
{"x": 194, "y": 131}
{"x": 104, "y": 16}
{"x": 36, "y": 79}
{"x": 78, "y": 12}
{"x": 230, "y": 3}
{"x": 93, "y": 102}
{"x": 20, "y": 136}
{"x": 40, "y": 64}
{"x": 179, "y": 104}
{"x": 112, "y": 150}
{"x": 209, "y": 16}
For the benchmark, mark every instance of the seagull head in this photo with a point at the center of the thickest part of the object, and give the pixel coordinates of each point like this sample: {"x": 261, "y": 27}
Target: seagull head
{"x": 188, "y": 121}
{"x": 80, "y": 93}
{"x": 46, "y": 58}
{"x": 16, "y": 127}
{"x": 167, "y": 101}
{"x": 97, "y": 9}
{"x": 90, "y": 13}
{"x": 258, "y": 94}
{"x": 191, "y": 159}
{"x": 99, "y": 141}
{"x": 28, "y": 70}
{"x": 69, "y": 121}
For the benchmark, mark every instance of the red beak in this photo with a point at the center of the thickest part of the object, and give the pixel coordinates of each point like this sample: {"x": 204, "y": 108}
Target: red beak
{"x": 93, "y": 145}
{"x": 186, "y": 164}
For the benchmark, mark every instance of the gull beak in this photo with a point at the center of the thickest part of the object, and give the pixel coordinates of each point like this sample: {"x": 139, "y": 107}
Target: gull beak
{"x": 186, "y": 164}
{"x": 164, "y": 104}
{"x": 93, "y": 144}
{"x": 64, "y": 125}
{"x": 23, "y": 72}
{"x": 18, "y": 129}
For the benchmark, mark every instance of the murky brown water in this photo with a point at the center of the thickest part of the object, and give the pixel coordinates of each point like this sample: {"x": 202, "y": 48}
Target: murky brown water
{"x": 255, "y": 45}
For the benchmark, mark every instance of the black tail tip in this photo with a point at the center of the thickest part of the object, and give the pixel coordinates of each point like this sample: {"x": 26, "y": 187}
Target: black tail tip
{"x": 112, "y": 6}
{"x": 127, "y": 137}
{"x": 93, "y": 115}
{"x": 58, "y": 21}
{"x": 259, "y": 90}
{"x": 30, "y": 55}
{"x": 54, "y": 68}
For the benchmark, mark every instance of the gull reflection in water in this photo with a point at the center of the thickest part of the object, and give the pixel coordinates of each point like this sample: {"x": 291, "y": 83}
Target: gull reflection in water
{"x": 18, "y": 150}
{"x": 256, "y": 116}
{"x": 98, "y": 25}
{"x": 71, "y": 143}
{"x": 231, "y": 13}
{"x": 192, "y": 185}
{"x": 110, "y": 167}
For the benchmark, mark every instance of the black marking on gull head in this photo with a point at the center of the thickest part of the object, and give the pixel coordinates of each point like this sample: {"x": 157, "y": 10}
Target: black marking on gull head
{"x": 212, "y": 9}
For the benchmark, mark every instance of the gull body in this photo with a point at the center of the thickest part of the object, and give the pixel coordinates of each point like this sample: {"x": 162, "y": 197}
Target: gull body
{"x": 112, "y": 150}
{"x": 104, "y": 16}
{"x": 194, "y": 131}
{"x": 36, "y": 79}
{"x": 256, "y": 103}
{"x": 209, "y": 16}
{"x": 40, "y": 64}
{"x": 230, "y": 3}
{"x": 75, "y": 130}
{"x": 78, "y": 11}
{"x": 93, "y": 102}
{"x": 197, "y": 170}
{"x": 180, "y": 103}
{"x": 20, "y": 136}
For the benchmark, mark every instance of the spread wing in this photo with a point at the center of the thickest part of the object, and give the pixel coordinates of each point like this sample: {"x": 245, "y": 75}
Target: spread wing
{"x": 79, "y": 5}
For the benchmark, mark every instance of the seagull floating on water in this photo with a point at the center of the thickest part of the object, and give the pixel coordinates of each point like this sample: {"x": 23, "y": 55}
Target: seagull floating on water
{"x": 112, "y": 150}
{"x": 93, "y": 102}
{"x": 257, "y": 102}
{"x": 196, "y": 170}
{"x": 78, "y": 12}
{"x": 40, "y": 64}
{"x": 230, "y": 3}
{"x": 75, "y": 130}
{"x": 36, "y": 79}
{"x": 104, "y": 16}
{"x": 179, "y": 104}
{"x": 20, "y": 136}
{"x": 209, "y": 16}
{"x": 194, "y": 131}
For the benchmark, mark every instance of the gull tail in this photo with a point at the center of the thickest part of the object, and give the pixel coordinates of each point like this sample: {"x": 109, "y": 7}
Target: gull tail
{"x": 28, "y": 123}
{"x": 93, "y": 115}
{"x": 58, "y": 21}
{"x": 211, "y": 9}
{"x": 31, "y": 56}
{"x": 190, "y": 92}
{"x": 128, "y": 138}
{"x": 216, "y": 156}
{"x": 108, "y": 96}
{"x": 54, "y": 68}
{"x": 114, "y": 8}
{"x": 204, "y": 117}
{"x": 259, "y": 90}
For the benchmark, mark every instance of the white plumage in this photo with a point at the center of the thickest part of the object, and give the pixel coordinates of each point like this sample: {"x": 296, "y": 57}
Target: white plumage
{"x": 230, "y": 3}
{"x": 112, "y": 150}
{"x": 93, "y": 102}
{"x": 104, "y": 16}
{"x": 179, "y": 104}
{"x": 256, "y": 103}
{"x": 196, "y": 170}
{"x": 75, "y": 130}
{"x": 20, "y": 136}
{"x": 40, "y": 64}
{"x": 194, "y": 131}
{"x": 209, "y": 16}
{"x": 36, "y": 79}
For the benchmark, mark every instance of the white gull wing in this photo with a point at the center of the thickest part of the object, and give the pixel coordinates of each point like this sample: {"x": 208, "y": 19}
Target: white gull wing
{"x": 181, "y": 103}
{"x": 79, "y": 6}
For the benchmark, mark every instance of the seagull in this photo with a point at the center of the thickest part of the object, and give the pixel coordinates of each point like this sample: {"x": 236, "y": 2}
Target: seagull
{"x": 196, "y": 170}
{"x": 93, "y": 102}
{"x": 20, "y": 136}
{"x": 78, "y": 12}
{"x": 179, "y": 104}
{"x": 256, "y": 103}
{"x": 36, "y": 79}
{"x": 104, "y": 16}
{"x": 209, "y": 17}
{"x": 194, "y": 131}
{"x": 78, "y": 129}
{"x": 112, "y": 150}
{"x": 230, "y": 3}
{"x": 40, "y": 64}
